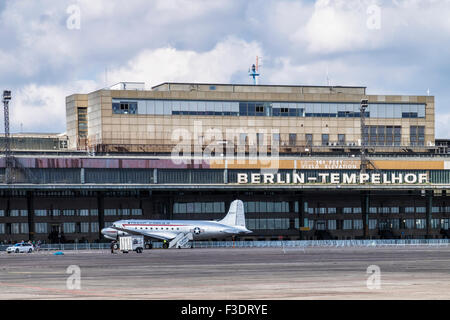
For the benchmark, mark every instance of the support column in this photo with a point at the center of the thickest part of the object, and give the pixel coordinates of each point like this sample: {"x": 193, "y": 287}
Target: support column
{"x": 301, "y": 216}
{"x": 101, "y": 213}
{"x": 30, "y": 209}
{"x": 365, "y": 212}
{"x": 429, "y": 209}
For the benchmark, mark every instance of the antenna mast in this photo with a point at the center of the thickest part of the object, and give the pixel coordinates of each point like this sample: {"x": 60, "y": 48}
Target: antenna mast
{"x": 254, "y": 72}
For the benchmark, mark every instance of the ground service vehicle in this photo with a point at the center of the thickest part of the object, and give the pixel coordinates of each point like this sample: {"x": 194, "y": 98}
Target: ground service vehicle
{"x": 131, "y": 243}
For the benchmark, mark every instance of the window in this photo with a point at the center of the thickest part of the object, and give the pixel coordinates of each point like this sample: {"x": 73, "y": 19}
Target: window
{"x": 420, "y": 224}
{"x": 347, "y": 224}
{"x": 40, "y": 227}
{"x": 325, "y": 139}
{"x": 94, "y": 226}
{"x": 15, "y": 228}
{"x": 136, "y": 212}
{"x": 435, "y": 223}
{"x": 69, "y": 227}
{"x": 14, "y": 213}
{"x": 292, "y": 139}
{"x": 331, "y": 224}
{"x": 341, "y": 139}
{"x": 372, "y": 224}
{"x": 358, "y": 224}
{"x": 24, "y": 227}
{"x": 110, "y": 212}
{"x": 84, "y": 227}
{"x": 409, "y": 223}
{"x": 2, "y": 213}
{"x": 68, "y": 212}
{"x": 40, "y": 213}
{"x": 309, "y": 139}
{"x": 2, "y": 228}
{"x": 84, "y": 212}
{"x": 94, "y": 212}
{"x": 417, "y": 135}
{"x": 321, "y": 225}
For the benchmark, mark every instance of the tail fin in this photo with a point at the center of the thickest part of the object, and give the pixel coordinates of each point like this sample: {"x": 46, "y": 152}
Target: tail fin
{"x": 235, "y": 215}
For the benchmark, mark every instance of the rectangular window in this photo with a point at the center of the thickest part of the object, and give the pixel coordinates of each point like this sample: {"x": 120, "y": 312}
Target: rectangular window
{"x": 94, "y": 226}
{"x": 84, "y": 212}
{"x": 84, "y": 227}
{"x": 136, "y": 212}
{"x": 347, "y": 224}
{"x": 24, "y": 227}
{"x": 15, "y": 228}
{"x": 292, "y": 139}
{"x": 417, "y": 135}
{"x": 94, "y": 212}
{"x": 41, "y": 227}
{"x": 420, "y": 224}
{"x": 309, "y": 139}
{"x": 40, "y": 213}
{"x": 14, "y": 213}
{"x": 341, "y": 139}
{"x": 2, "y": 228}
{"x": 358, "y": 224}
{"x": 2, "y": 213}
{"x": 435, "y": 223}
{"x": 68, "y": 212}
{"x": 69, "y": 227}
{"x": 372, "y": 224}
{"x": 110, "y": 212}
{"x": 325, "y": 139}
{"x": 331, "y": 224}
{"x": 409, "y": 223}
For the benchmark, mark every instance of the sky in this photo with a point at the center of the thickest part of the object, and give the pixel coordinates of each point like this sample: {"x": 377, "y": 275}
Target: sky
{"x": 51, "y": 49}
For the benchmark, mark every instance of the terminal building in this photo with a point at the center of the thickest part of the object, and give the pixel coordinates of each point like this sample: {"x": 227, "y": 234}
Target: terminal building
{"x": 308, "y": 161}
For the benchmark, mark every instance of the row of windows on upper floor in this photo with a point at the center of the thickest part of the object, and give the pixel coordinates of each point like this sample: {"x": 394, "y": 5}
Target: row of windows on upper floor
{"x": 388, "y": 224}
{"x": 219, "y": 207}
{"x": 72, "y": 212}
{"x": 268, "y": 109}
{"x": 43, "y": 227}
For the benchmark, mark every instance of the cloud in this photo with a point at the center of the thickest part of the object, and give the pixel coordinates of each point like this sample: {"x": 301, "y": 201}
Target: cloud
{"x": 216, "y": 41}
{"x": 229, "y": 58}
{"x": 41, "y": 108}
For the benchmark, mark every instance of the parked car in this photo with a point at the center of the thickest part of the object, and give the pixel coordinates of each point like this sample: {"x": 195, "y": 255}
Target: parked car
{"x": 20, "y": 248}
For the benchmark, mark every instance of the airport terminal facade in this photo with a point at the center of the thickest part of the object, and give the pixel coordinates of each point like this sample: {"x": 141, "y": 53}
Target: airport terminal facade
{"x": 186, "y": 150}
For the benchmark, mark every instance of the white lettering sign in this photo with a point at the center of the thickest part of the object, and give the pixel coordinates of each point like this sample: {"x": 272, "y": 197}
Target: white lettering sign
{"x": 333, "y": 178}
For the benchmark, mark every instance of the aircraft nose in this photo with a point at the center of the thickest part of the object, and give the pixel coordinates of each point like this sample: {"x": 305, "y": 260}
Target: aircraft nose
{"x": 109, "y": 233}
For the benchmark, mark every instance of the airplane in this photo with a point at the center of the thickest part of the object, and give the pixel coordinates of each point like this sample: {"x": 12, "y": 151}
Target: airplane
{"x": 180, "y": 232}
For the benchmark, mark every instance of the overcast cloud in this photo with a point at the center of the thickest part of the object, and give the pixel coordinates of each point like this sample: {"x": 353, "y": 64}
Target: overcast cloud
{"x": 392, "y": 47}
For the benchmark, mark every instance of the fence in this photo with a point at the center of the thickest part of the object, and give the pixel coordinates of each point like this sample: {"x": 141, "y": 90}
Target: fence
{"x": 264, "y": 244}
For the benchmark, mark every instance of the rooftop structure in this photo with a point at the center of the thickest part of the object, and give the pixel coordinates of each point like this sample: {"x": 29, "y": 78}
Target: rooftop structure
{"x": 291, "y": 119}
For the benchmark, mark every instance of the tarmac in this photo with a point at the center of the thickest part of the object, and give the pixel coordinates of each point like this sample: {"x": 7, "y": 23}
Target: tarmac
{"x": 409, "y": 272}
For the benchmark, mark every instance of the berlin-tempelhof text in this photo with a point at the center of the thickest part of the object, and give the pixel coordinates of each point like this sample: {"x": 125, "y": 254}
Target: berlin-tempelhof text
{"x": 333, "y": 178}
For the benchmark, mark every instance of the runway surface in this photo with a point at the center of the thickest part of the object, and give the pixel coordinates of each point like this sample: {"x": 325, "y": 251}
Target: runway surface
{"x": 247, "y": 273}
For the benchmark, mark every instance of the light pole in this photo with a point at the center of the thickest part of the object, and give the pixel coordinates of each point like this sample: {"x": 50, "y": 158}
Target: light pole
{"x": 8, "y": 160}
